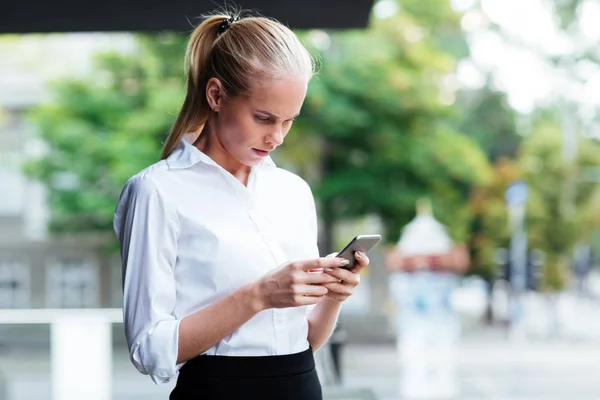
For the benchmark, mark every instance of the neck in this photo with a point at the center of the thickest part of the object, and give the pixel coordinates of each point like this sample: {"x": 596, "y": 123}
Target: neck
{"x": 208, "y": 143}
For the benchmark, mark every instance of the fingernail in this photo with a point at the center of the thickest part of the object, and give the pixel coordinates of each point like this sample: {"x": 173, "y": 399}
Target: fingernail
{"x": 358, "y": 254}
{"x": 329, "y": 269}
{"x": 345, "y": 262}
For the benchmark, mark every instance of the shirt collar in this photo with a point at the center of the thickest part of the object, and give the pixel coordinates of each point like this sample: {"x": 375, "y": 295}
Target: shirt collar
{"x": 187, "y": 155}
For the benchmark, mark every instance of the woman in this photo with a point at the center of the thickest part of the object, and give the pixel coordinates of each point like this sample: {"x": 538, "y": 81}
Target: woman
{"x": 221, "y": 274}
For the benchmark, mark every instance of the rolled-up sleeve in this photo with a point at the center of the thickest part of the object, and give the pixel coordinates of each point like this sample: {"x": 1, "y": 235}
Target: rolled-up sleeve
{"x": 147, "y": 229}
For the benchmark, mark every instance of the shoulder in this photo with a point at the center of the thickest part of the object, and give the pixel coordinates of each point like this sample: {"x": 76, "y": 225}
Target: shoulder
{"x": 147, "y": 183}
{"x": 149, "y": 179}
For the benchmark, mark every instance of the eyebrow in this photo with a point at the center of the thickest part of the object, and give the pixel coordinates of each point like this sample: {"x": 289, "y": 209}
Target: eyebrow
{"x": 274, "y": 115}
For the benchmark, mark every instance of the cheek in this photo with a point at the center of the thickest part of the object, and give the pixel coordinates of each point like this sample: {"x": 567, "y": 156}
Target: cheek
{"x": 240, "y": 132}
{"x": 286, "y": 129}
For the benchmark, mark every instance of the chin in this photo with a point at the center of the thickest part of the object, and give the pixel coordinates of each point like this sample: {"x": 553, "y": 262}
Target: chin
{"x": 252, "y": 160}
{"x": 249, "y": 162}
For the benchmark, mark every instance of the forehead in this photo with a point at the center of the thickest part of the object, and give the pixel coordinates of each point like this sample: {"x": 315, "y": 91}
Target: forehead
{"x": 283, "y": 97}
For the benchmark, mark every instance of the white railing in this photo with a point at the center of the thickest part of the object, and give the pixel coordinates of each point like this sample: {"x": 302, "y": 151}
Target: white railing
{"x": 80, "y": 348}
{"x": 81, "y": 353}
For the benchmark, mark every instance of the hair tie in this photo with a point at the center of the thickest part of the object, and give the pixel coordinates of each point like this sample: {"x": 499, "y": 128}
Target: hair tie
{"x": 227, "y": 23}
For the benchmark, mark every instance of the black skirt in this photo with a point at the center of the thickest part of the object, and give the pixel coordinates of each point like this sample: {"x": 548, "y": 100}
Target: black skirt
{"x": 287, "y": 377}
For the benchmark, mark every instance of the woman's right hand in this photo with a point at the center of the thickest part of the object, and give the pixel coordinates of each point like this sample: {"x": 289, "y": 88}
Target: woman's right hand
{"x": 297, "y": 283}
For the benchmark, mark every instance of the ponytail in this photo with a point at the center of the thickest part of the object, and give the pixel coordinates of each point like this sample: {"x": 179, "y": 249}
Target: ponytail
{"x": 195, "y": 109}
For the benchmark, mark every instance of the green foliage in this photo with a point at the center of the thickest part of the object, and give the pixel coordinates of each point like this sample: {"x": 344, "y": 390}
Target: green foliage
{"x": 102, "y": 130}
{"x": 551, "y": 227}
{"x": 566, "y": 11}
{"x": 490, "y": 227}
{"x": 553, "y": 224}
{"x": 384, "y": 135}
{"x": 486, "y": 117}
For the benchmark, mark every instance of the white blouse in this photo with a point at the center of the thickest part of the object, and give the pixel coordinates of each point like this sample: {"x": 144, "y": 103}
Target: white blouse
{"x": 191, "y": 233}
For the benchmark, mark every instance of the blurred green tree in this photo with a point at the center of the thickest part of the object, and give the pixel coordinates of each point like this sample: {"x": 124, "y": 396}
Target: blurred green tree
{"x": 102, "y": 130}
{"x": 379, "y": 118}
{"x": 554, "y": 225}
{"x": 487, "y": 119}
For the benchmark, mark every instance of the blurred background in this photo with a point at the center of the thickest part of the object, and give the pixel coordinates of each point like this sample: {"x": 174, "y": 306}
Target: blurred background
{"x": 466, "y": 132}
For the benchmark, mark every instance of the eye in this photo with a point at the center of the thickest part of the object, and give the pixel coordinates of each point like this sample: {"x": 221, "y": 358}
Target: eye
{"x": 262, "y": 119}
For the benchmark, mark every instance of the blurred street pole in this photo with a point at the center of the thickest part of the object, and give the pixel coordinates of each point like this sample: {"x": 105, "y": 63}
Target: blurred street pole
{"x": 516, "y": 200}
{"x": 570, "y": 134}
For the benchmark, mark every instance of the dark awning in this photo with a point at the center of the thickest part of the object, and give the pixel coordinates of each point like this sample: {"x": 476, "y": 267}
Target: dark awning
{"x": 30, "y": 16}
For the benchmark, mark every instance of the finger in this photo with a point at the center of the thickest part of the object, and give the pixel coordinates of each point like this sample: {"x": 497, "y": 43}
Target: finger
{"x": 361, "y": 262}
{"x": 319, "y": 263}
{"x": 343, "y": 274}
{"x": 317, "y": 278}
{"x": 310, "y": 290}
{"x": 328, "y": 256}
{"x": 339, "y": 288}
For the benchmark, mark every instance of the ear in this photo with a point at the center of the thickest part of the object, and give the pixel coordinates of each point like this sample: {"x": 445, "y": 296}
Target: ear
{"x": 214, "y": 94}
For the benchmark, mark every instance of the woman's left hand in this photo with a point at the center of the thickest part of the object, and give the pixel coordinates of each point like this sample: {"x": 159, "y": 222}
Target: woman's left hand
{"x": 349, "y": 279}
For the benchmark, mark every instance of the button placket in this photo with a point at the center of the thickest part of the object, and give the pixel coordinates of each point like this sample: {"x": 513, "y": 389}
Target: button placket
{"x": 246, "y": 197}
{"x": 266, "y": 231}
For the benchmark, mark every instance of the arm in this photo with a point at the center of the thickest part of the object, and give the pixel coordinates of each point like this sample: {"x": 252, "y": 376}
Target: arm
{"x": 147, "y": 228}
{"x": 200, "y": 331}
{"x": 290, "y": 285}
{"x": 322, "y": 317}
{"x": 321, "y": 321}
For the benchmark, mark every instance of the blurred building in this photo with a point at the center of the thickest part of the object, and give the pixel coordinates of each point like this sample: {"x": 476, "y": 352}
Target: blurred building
{"x": 38, "y": 270}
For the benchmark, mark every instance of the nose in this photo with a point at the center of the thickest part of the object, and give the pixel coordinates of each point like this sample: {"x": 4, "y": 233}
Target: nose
{"x": 275, "y": 138}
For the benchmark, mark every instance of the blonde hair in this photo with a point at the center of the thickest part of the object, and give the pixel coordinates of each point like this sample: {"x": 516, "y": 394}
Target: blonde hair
{"x": 237, "y": 52}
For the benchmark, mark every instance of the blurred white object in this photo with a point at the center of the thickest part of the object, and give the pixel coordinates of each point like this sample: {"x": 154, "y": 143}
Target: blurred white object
{"x": 578, "y": 317}
{"x": 470, "y": 298}
{"x": 428, "y": 328}
{"x": 81, "y": 358}
{"x": 81, "y": 349}
{"x": 424, "y": 236}
{"x": 562, "y": 315}
{"x": 427, "y": 335}
{"x": 594, "y": 283}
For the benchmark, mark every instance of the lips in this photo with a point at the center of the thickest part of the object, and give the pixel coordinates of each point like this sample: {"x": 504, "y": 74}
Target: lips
{"x": 261, "y": 153}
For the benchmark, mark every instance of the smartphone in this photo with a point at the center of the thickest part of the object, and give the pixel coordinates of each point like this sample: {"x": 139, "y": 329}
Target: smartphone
{"x": 362, "y": 243}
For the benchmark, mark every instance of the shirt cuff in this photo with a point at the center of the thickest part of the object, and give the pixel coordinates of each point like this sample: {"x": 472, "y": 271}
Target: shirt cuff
{"x": 156, "y": 353}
